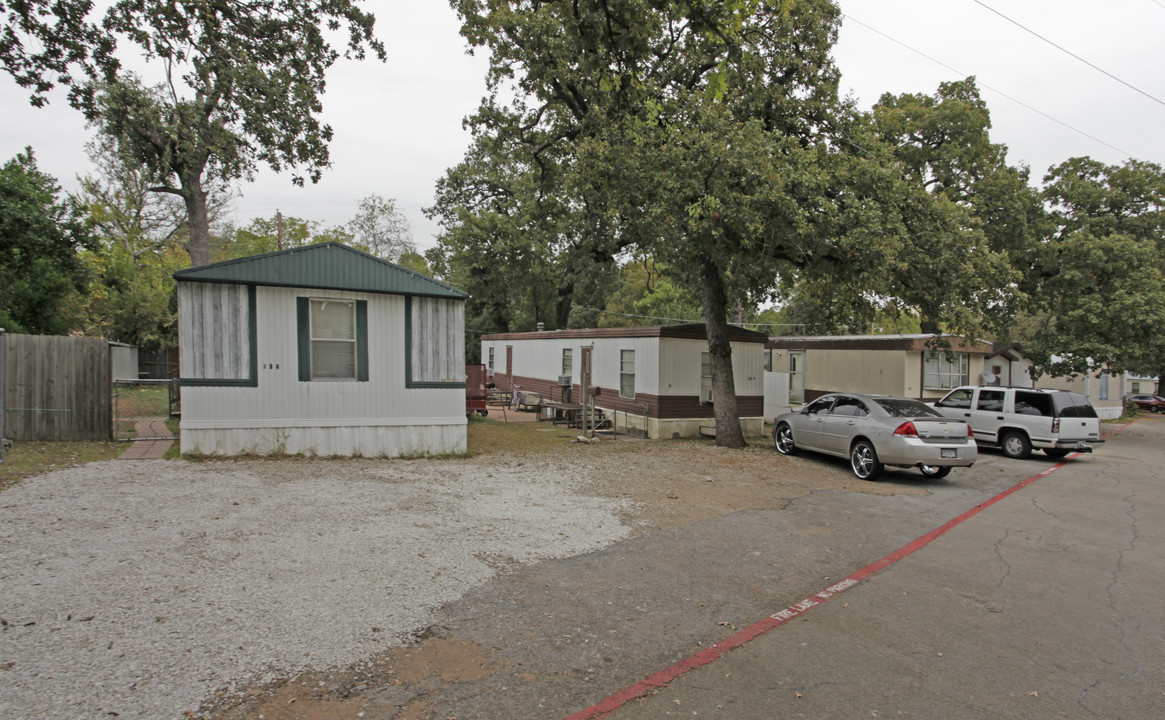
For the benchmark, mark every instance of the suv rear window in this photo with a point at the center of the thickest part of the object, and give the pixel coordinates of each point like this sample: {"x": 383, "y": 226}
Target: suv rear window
{"x": 1073, "y": 405}
{"x": 1034, "y": 403}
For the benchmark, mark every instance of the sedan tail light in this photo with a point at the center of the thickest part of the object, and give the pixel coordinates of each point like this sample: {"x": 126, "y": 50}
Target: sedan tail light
{"x": 906, "y": 429}
{"x": 970, "y": 432}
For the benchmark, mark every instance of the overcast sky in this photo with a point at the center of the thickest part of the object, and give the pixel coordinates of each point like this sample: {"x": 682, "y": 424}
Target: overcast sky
{"x": 398, "y": 124}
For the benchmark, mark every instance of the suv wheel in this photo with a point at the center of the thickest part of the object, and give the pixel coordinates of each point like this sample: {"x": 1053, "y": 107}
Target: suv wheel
{"x": 864, "y": 461}
{"x": 1016, "y": 445}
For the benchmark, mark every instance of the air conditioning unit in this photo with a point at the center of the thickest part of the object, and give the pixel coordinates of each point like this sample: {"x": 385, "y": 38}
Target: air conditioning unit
{"x": 706, "y": 396}
{"x": 564, "y": 381}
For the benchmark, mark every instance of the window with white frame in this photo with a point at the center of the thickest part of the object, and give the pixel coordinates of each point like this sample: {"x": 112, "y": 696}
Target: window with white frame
{"x": 1104, "y": 386}
{"x": 333, "y": 339}
{"x": 943, "y": 371}
{"x": 627, "y": 373}
{"x": 490, "y": 364}
{"x": 567, "y": 362}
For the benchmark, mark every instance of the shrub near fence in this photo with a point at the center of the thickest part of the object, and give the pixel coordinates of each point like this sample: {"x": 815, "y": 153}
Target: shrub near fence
{"x": 55, "y": 389}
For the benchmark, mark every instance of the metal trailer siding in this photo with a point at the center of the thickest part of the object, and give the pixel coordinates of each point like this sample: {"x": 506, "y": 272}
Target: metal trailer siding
{"x": 283, "y": 414}
{"x": 680, "y": 367}
{"x": 663, "y": 366}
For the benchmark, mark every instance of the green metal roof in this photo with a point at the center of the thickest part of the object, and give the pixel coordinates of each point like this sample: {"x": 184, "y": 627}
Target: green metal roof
{"x": 329, "y": 266}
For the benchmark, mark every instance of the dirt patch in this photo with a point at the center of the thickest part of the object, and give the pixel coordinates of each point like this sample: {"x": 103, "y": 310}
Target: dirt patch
{"x": 676, "y": 483}
{"x": 401, "y": 678}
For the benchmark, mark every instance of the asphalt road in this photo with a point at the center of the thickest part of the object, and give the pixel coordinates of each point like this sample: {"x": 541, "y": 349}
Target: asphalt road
{"x": 1047, "y": 604}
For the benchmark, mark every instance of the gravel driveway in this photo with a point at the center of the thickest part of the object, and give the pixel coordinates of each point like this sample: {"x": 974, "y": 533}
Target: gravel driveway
{"x": 139, "y": 589}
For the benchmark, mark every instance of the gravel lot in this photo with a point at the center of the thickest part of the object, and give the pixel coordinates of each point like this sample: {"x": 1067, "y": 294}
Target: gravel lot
{"x": 139, "y": 589}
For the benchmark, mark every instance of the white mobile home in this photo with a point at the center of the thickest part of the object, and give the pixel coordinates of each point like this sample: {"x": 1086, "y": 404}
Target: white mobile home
{"x": 657, "y": 378}
{"x": 320, "y": 350}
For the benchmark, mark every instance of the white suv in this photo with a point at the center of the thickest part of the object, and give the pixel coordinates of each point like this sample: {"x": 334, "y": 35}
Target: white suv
{"x": 1019, "y": 419}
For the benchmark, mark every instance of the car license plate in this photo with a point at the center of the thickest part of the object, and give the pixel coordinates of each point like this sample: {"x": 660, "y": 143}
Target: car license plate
{"x": 949, "y": 453}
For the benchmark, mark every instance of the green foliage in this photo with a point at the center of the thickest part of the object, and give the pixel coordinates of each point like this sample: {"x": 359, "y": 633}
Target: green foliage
{"x": 649, "y": 295}
{"x": 693, "y": 134}
{"x": 1098, "y": 283}
{"x": 252, "y": 73}
{"x": 943, "y": 219}
{"x": 281, "y": 232}
{"x": 42, "y": 281}
{"x": 132, "y": 298}
{"x": 415, "y": 262}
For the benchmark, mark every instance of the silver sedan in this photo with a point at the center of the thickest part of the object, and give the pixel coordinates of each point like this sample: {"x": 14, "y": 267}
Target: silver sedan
{"x": 875, "y": 431}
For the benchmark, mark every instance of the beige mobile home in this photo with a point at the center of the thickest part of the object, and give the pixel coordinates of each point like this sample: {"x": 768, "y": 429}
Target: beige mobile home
{"x": 320, "y": 350}
{"x": 901, "y": 365}
{"x": 655, "y": 378}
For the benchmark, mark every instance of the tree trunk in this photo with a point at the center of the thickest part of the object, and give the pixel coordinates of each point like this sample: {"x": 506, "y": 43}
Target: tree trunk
{"x": 197, "y": 218}
{"x": 715, "y": 302}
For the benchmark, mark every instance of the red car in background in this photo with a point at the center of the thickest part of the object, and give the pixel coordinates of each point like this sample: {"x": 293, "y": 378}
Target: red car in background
{"x": 1152, "y": 403}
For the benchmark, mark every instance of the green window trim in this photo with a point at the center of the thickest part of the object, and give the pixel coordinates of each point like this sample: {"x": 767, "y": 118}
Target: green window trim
{"x": 303, "y": 340}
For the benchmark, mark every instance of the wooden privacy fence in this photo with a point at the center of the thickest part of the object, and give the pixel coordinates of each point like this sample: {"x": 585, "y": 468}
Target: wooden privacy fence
{"x": 55, "y": 389}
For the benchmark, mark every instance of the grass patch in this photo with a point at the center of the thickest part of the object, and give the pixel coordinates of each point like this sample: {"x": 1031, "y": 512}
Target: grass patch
{"x": 487, "y": 435}
{"x": 35, "y": 458}
{"x": 143, "y": 400}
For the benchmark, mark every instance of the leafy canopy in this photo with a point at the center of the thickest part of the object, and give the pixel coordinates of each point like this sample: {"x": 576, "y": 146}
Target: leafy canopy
{"x": 42, "y": 280}
{"x": 240, "y": 83}
{"x": 1098, "y": 281}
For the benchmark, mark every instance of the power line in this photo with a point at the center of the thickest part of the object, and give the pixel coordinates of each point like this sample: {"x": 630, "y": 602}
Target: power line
{"x": 988, "y": 87}
{"x": 1069, "y": 52}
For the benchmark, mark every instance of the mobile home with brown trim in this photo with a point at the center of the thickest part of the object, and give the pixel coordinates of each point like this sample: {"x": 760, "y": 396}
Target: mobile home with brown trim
{"x": 901, "y": 365}
{"x": 656, "y": 378}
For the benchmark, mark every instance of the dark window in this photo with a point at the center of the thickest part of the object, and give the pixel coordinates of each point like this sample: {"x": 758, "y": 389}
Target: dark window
{"x": 1073, "y": 405}
{"x": 1033, "y": 403}
{"x": 990, "y": 400}
{"x": 849, "y": 407}
{"x": 906, "y": 408}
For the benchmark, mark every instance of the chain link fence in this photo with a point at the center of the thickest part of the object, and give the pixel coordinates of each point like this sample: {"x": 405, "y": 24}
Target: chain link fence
{"x": 136, "y": 402}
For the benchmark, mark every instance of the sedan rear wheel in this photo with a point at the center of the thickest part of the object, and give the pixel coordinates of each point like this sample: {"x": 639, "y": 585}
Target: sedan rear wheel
{"x": 935, "y": 471}
{"x": 783, "y": 439}
{"x": 864, "y": 460}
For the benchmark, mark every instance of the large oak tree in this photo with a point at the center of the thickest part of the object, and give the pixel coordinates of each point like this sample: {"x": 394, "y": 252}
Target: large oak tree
{"x": 240, "y": 83}
{"x": 1098, "y": 281}
{"x": 708, "y": 136}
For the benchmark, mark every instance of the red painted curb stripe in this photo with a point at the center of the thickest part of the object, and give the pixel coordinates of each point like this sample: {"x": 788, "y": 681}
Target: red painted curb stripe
{"x": 647, "y": 685}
